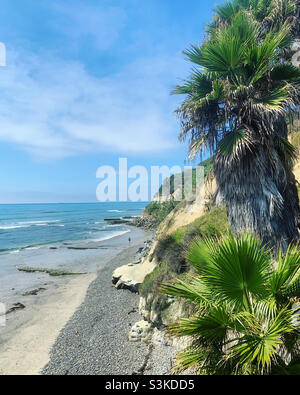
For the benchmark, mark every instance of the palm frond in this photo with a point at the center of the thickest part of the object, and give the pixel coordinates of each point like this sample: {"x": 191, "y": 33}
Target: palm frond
{"x": 235, "y": 144}
{"x": 286, "y": 275}
{"x": 260, "y": 343}
{"x": 210, "y": 327}
{"x": 239, "y": 269}
{"x": 194, "y": 291}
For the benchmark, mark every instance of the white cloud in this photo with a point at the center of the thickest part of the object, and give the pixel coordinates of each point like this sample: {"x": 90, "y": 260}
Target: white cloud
{"x": 56, "y": 108}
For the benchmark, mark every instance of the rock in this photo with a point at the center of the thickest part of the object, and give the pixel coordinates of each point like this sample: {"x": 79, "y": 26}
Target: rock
{"x": 15, "y": 306}
{"x": 117, "y": 221}
{"x": 140, "y": 331}
{"x": 33, "y": 292}
{"x": 149, "y": 222}
{"x": 131, "y": 276}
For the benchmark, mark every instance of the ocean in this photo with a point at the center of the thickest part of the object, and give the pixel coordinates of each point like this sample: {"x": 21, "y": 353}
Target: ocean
{"x": 71, "y": 237}
{"x": 30, "y": 226}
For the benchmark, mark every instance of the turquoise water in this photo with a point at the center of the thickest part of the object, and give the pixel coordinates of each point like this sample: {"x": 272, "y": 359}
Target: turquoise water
{"x": 32, "y": 225}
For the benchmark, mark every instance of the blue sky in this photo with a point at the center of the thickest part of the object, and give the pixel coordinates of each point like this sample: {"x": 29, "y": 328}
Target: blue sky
{"x": 87, "y": 82}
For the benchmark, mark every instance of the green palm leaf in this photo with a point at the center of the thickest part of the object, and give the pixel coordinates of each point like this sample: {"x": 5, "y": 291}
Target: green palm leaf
{"x": 235, "y": 144}
{"x": 260, "y": 343}
{"x": 287, "y": 72}
{"x": 209, "y": 327}
{"x": 194, "y": 291}
{"x": 239, "y": 270}
{"x": 285, "y": 278}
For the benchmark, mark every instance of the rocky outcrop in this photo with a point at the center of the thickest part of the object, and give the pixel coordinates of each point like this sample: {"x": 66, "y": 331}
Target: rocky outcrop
{"x": 148, "y": 222}
{"x": 132, "y": 275}
{"x": 162, "y": 310}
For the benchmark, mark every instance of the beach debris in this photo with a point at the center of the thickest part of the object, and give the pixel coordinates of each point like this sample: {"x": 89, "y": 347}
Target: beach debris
{"x": 51, "y": 272}
{"x": 16, "y": 306}
{"x": 144, "y": 367}
{"x": 33, "y": 291}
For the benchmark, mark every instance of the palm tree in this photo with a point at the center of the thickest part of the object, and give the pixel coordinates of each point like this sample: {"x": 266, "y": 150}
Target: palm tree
{"x": 269, "y": 13}
{"x": 237, "y": 99}
{"x": 248, "y": 308}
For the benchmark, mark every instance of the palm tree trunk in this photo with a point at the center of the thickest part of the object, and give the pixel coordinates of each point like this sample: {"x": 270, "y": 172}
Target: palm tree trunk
{"x": 260, "y": 194}
{"x": 298, "y": 20}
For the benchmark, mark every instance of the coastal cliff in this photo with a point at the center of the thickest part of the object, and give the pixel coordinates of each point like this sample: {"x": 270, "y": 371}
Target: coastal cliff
{"x": 165, "y": 260}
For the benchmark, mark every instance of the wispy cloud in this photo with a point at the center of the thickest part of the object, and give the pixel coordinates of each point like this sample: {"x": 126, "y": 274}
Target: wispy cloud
{"x": 51, "y": 107}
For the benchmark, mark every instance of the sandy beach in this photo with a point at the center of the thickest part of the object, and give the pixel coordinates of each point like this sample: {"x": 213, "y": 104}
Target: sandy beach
{"x": 30, "y": 333}
{"x": 26, "y": 348}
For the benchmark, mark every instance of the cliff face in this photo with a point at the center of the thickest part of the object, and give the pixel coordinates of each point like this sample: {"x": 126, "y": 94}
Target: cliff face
{"x": 164, "y": 257}
{"x": 204, "y": 216}
{"x": 186, "y": 213}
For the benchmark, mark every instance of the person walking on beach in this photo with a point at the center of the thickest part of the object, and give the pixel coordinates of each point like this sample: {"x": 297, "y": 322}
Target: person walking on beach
{"x": 129, "y": 240}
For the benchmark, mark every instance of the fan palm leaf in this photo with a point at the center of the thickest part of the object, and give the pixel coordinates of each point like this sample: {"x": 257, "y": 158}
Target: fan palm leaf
{"x": 246, "y": 321}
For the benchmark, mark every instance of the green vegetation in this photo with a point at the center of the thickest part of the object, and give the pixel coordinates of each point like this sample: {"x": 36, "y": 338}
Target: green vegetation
{"x": 170, "y": 251}
{"x": 240, "y": 92}
{"x": 160, "y": 210}
{"x": 245, "y": 290}
{"x": 212, "y": 224}
{"x": 51, "y": 272}
{"x": 247, "y": 320}
{"x": 295, "y": 137}
{"x": 208, "y": 167}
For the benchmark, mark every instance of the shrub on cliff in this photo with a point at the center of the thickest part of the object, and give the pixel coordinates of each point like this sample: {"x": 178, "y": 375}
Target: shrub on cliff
{"x": 171, "y": 250}
{"x": 248, "y": 308}
{"x": 160, "y": 210}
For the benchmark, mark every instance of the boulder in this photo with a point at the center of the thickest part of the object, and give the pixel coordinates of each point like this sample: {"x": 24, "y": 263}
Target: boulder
{"x": 131, "y": 276}
{"x": 141, "y": 331}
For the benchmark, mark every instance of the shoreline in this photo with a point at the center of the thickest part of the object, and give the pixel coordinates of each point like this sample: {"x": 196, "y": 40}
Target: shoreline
{"x": 30, "y": 333}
